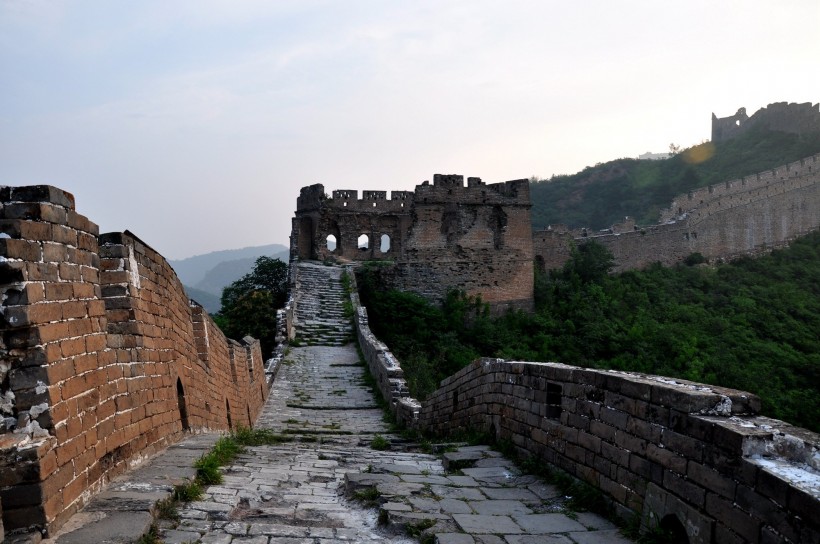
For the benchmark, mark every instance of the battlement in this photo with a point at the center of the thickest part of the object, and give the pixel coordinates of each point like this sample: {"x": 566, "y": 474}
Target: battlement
{"x": 444, "y": 235}
{"x": 452, "y": 188}
{"x": 788, "y": 174}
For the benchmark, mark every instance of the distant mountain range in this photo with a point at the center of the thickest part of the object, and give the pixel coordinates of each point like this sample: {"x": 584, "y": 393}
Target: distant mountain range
{"x": 204, "y": 276}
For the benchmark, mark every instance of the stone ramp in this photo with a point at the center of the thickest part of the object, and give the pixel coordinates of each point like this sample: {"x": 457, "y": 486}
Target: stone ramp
{"x": 320, "y": 391}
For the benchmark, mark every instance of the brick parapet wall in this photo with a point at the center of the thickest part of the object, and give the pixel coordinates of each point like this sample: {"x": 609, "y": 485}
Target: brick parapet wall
{"x": 98, "y": 337}
{"x": 383, "y": 365}
{"x": 747, "y": 216}
{"x": 654, "y": 445}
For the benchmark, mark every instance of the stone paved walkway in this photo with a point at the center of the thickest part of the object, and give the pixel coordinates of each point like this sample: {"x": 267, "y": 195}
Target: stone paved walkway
{"x": 293, "y": 493}
{"x": 301, "y": 492}
{"x": 304, "y": 491}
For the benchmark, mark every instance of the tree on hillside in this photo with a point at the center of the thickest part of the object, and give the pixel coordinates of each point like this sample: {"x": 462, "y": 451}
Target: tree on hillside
{"x": 249, "y": 304}
{"x": 589, "y": 262}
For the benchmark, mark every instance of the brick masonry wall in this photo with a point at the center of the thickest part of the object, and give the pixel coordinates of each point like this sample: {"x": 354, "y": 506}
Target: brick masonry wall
{"x": 747, "y": 216}
{"x": 655, "y": 446}
{"x": 104, "y": 358}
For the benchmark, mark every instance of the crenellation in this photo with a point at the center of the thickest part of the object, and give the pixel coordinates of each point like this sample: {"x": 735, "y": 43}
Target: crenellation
{"x": 448, "y": 181}
{"x": 374, "y": 195}
{"x": 442, "y": 236}
{"x": 345, "y": 194}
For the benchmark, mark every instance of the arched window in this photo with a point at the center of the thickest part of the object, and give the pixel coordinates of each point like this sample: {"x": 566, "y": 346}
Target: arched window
{"x": 385, "y": 244}
{"x": 331, "y": 242}
{"x": 363, "y": 242}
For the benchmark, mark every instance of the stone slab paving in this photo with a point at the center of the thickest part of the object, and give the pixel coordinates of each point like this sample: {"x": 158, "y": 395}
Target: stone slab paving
{"x": 293, "y": 492}
{"x": 483, "y": 499}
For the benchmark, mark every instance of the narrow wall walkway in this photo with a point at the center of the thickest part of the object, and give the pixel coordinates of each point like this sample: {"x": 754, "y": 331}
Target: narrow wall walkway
{"x": 291, "y": 493}
{"x": 297, "y": 492}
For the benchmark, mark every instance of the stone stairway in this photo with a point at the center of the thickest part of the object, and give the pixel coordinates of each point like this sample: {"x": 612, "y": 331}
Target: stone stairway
{"x": 319, "y": 306}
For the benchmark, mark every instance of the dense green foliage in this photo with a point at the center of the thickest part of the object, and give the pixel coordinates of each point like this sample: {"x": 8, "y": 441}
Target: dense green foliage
{"x": 249, "y": 304}
{"x": 602, "y": 195}
{"x": 751, "y": 324}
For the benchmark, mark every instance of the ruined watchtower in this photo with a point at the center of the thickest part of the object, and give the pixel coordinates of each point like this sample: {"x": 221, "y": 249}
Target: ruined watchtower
{"x": 780, "y": 116}
{"x": 445, "y": 235}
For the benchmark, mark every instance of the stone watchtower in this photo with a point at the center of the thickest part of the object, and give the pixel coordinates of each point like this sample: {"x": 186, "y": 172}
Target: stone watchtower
{"x": 445, "y": 235}
{"x": 780, "y": 116}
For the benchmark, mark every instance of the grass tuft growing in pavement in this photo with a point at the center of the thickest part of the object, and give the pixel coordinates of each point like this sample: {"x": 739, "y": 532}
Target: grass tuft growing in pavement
{"x": 150, "y": 537}
{"x": 380, "y": 443}
{"x": 188, "y": 492}
{"x": 369, "y": 496}
{"x": 258, "y": 437}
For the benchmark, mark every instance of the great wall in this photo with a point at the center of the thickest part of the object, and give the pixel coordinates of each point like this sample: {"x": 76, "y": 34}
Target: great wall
{"x": 746, "y": 216}
{"x": 105, "y": 362}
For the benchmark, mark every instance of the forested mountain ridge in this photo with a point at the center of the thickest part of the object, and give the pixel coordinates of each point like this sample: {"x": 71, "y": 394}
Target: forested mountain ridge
{"x": 602, "y": 195}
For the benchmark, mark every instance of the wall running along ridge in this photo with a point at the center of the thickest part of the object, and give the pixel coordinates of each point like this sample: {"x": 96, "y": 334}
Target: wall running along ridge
{"x": 103, "y": 359}
{"x": 746, "y": 216}
{"x": 669, "y": 450}
{"x": 445, "y": 235}
{"x": 780, "y": 116}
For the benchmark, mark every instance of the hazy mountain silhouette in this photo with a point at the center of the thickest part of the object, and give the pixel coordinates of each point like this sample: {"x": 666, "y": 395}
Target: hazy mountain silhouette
{"x": 204, "y": 276}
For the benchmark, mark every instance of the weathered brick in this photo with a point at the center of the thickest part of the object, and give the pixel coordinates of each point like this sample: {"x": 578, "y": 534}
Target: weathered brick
{"x": 21, "y": 249}
{"x": 666, "y": 458}
{"x": 683, "y": 488}
{"x": 710, "y": 479}
{"x": 733, "y": 517}
{"x": 685, "y": 445}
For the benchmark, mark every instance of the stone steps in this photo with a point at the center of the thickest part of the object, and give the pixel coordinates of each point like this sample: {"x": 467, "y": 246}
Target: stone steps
{"x": 320, "y": 306}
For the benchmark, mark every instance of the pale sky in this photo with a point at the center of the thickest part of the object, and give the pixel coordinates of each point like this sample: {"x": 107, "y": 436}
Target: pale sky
{"x": 194, "y": 123}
